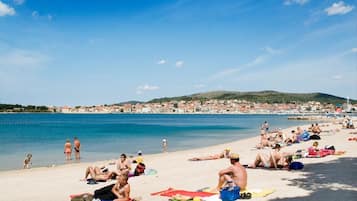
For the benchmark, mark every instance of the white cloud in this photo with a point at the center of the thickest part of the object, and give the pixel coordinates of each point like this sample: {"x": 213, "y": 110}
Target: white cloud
{"x": 258, "y": 60}
{"x": 179, "y": 64}
{"x": 35, "y": 14}
{"x": 6, "y": 10}
{"x": 147, "y": 87}
{"x": 22, "y": 58}
{"x": 291, "y": 2}
{"x": 354, "y": 49}
{"x": 162, "y": 61}
{"x": 270, "y": 50}
{"x": 19, "y": 2}
{"x": 337, "y": 77}
{"x": 339, "y": 8}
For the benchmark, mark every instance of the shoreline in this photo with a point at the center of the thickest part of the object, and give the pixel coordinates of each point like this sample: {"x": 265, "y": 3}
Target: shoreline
{"x": 174, "y": 170}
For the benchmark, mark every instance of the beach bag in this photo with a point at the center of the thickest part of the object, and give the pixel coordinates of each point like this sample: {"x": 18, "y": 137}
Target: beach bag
{"x": 304, "y": 136}
{"x": 230, "y": 193}
{"x": 315, "y": 137}
{"x": 296, "y": 165}
{"x": 140, "y": 169}
{"x": 83, "y": 197}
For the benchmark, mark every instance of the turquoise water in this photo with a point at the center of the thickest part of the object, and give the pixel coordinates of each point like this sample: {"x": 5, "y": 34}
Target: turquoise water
{"x": 105, "y": 136}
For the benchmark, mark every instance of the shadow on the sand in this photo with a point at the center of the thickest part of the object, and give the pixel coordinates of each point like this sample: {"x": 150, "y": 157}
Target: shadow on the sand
{"x": 330, "y": 181}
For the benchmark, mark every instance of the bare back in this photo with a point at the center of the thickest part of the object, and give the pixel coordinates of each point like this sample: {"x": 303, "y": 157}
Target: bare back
{"x": 239, "y": 175}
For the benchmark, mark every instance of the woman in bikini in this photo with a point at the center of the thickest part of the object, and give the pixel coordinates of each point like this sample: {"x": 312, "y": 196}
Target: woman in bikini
{"x": 274, "y": 159}
{"x": 122, "y": 188}
{"x": 67, "y": 149}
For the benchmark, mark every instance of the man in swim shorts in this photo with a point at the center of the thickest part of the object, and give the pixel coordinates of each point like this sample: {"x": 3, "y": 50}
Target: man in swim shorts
{"x": 234, "y": 175}
{"x": 77, "y": 145}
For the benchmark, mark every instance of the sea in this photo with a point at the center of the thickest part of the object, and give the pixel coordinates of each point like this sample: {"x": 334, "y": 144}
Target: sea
{"x": 106, "y": 136}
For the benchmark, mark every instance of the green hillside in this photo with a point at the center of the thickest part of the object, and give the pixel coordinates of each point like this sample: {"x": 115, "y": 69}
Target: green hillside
{"x": 260, "y": 97}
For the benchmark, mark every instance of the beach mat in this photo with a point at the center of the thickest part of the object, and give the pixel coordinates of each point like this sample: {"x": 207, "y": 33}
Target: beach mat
{"x": 256, "y": 193}
{"x": 150, "y": 172}
{"x": 264, "y": 168}
{"x": 171, "y": 192}
{"x": 81, "y": 197}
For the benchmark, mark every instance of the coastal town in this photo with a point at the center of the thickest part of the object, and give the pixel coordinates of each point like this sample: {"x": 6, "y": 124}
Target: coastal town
{"x": 212, "y": 107}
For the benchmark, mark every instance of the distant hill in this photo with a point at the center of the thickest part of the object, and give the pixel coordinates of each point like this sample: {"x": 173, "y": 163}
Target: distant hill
{"x": 133, "y": 102}
{"x": 260, "y": 97}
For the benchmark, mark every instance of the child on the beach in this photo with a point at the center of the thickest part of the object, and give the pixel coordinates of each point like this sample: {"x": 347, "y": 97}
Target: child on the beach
{"x": 27, "y": 161}
{"x": 164, "y": 145}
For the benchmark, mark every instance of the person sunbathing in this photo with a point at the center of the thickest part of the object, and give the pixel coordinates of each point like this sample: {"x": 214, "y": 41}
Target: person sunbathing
{"x": 264, "y": 141}
{"x": 316, "y": 129}
{"x": 123, "y": 165}
{"x": 234, "y": 175}
{"x": 315, "y": 151}
{"x": 99, "y": 174}
{"x": 274, "y": 159}
{"x": 223, "y": 154}
{"x": 122, "y": 188}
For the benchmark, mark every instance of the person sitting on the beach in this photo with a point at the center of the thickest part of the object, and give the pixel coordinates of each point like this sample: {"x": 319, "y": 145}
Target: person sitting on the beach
{"x": 350, "y": 124}
{"x": 120, "y": 191}
{"x": 98, "y": 174}
{"x": 139, "y": 169}
{"x": 27, "y": 161}
{"x": 123, "y": 165}
{"x": 234, "y": 175}
{"x": 139, "y": 158}
{"x": 264, "y": 142}
{"x": 223, "y": 154}
{"x": 122, "y": 188}
{"x": 274, "y": 159}
{"x": 316, "y": 129}
{"x": 292, "y": 138}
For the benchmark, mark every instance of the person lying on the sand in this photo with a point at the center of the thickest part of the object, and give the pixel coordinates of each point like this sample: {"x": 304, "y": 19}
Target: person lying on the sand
{"x": 264, "y": 141}
{"x": 98, "y": 174}
{"x": 315, "y": 151}
{"x": 234, "y": 175}
{"x": 223, "y": 154}
{"x": 274, "y": 159}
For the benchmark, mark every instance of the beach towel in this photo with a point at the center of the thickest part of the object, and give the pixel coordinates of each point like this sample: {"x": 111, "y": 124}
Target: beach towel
{"x": 150, "y": 172}
{"x": 81, "y": 197}
{"x": 171, "y": 192}
{"x": 265, "y": 168}
{"x": 256, "y": 193}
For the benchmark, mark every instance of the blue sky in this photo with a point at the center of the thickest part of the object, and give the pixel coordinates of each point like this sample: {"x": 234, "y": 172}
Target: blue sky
{"x": 80, "y": 52}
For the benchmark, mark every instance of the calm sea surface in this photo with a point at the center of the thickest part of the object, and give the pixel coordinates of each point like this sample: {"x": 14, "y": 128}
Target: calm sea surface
{"x": 105, "y": 136}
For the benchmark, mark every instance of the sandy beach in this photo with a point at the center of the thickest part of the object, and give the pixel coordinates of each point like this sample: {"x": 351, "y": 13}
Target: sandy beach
{"x": 330, "y": 178}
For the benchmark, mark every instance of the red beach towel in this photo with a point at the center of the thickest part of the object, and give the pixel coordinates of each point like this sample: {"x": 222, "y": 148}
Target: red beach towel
{"x": 170, "y": 192}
